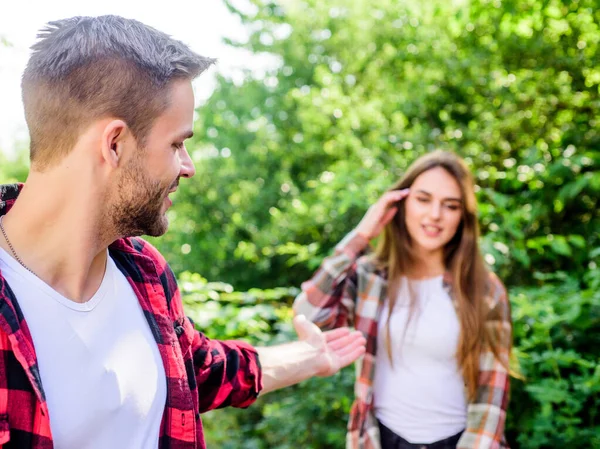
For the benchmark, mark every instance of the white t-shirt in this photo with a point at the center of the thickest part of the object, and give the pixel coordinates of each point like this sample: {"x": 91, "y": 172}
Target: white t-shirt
{"x": 100, "y": 366}
{"x": 421, "y": 397}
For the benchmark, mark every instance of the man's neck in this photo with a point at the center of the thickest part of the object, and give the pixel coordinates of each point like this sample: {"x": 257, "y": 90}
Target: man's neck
{"x": 63, "y": 242}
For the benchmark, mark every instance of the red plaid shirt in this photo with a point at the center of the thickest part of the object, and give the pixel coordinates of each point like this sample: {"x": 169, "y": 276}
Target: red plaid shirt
{"x": 202, "y": 374}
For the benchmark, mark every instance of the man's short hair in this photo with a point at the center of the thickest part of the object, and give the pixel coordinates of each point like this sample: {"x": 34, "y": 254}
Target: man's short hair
{"x": 87, "y": 68}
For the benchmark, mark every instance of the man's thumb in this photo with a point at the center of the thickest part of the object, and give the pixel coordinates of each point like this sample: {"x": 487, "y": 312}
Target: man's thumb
{"x": 303, "y": 327}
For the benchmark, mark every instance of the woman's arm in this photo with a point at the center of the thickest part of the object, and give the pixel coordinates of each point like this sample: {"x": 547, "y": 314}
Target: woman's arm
{"x": 328, "y": 298}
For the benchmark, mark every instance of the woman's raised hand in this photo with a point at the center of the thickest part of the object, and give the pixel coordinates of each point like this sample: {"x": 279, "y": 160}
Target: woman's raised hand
{"x": 380, "y": 213}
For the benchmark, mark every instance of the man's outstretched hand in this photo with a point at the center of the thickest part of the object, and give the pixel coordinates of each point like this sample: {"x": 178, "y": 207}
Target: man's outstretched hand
{"x": 316, "y": 353}
{"x": 335, "y": 348}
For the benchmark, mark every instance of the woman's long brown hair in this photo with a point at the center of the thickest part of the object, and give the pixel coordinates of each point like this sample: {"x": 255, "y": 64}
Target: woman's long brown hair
{"x": 463, "y": 261}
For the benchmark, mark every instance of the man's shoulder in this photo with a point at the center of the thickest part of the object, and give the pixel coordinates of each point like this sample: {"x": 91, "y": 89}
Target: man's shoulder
{"x": 144, "y": 263}
{"x": 142, "y": 259}
{"x": 8, "y": 195}
{"x": 137, "y": 246}
{"x": 10, "y": 191}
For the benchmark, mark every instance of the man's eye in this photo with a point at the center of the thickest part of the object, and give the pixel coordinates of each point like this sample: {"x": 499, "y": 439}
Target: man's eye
{"x": 452, "y": 207}
{"x": 178, "y": 146}
{"x": 423, "y": 200}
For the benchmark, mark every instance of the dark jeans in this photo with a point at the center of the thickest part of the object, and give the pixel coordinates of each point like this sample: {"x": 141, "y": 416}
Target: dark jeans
{"x": 389, "y": 440}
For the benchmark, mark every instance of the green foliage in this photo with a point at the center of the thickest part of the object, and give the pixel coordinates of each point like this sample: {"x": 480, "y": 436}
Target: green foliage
{"x": 288, "y": 163}
{"x": 557, "y": 333}
{"x": 13, "y": 169}
{"x": 256, "y": 315}
{"x": 313, "y": 414}
{"x": 261, "y": 317}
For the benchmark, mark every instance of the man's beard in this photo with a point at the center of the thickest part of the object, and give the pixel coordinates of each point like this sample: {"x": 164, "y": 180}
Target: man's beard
{"x": 139, "y": 208}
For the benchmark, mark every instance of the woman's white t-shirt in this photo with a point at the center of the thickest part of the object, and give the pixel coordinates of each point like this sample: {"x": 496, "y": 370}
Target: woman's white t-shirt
{"x": 421, "y": 395}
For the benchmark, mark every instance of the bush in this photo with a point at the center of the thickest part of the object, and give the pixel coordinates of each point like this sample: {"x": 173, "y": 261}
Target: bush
{"x": 556, "y": 332}
{"x": 557, "y": 335}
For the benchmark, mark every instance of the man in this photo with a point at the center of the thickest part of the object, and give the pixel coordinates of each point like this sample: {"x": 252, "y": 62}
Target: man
{"x": 96, "y": 352}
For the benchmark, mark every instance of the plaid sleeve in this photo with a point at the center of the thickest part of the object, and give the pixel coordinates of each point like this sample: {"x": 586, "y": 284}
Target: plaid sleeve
{"x": 328, "y": 298}
{"x": 228, "y": 373}
{"x": 486, "y": 416}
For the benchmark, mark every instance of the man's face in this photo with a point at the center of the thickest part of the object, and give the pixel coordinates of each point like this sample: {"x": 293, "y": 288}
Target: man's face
{"x": 153, "y": 172}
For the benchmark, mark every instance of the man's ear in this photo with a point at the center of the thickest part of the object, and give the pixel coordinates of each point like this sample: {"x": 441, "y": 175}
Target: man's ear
{"x": 114, "y": 138}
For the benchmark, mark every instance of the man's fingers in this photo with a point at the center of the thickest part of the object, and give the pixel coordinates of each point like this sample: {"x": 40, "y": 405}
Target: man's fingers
{"x": 336, "y": 333}
{"x": 358, "y": 342}
{"x": 303, "y": 327}
{"x": 345, "y": 341}
{"x": 351, "y": 356}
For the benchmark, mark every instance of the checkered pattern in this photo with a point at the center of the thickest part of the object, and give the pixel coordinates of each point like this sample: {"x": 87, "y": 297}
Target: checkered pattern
{"x": 202, "y": 374}
{"x": 348, "y": 290}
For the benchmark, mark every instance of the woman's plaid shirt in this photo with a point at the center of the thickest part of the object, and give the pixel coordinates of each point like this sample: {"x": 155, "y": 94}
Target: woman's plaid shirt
{"x": 202, "y": 374}
{"x": 348, "y": 290}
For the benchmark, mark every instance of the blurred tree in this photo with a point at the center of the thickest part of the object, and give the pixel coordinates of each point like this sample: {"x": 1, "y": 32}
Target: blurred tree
{"x": 13, "y": 168}
{"x": 288, "y": 163}
{"x": 557, "y": 333}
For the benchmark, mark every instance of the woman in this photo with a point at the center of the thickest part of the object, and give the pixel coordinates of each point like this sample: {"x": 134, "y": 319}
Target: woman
{"x": 437, "y": 322}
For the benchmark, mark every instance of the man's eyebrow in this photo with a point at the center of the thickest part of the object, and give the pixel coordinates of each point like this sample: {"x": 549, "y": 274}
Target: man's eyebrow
{"x": 424, "y": 192}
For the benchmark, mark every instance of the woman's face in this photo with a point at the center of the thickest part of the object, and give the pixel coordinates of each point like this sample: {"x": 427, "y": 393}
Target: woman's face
{"x": 433, "y": 210}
